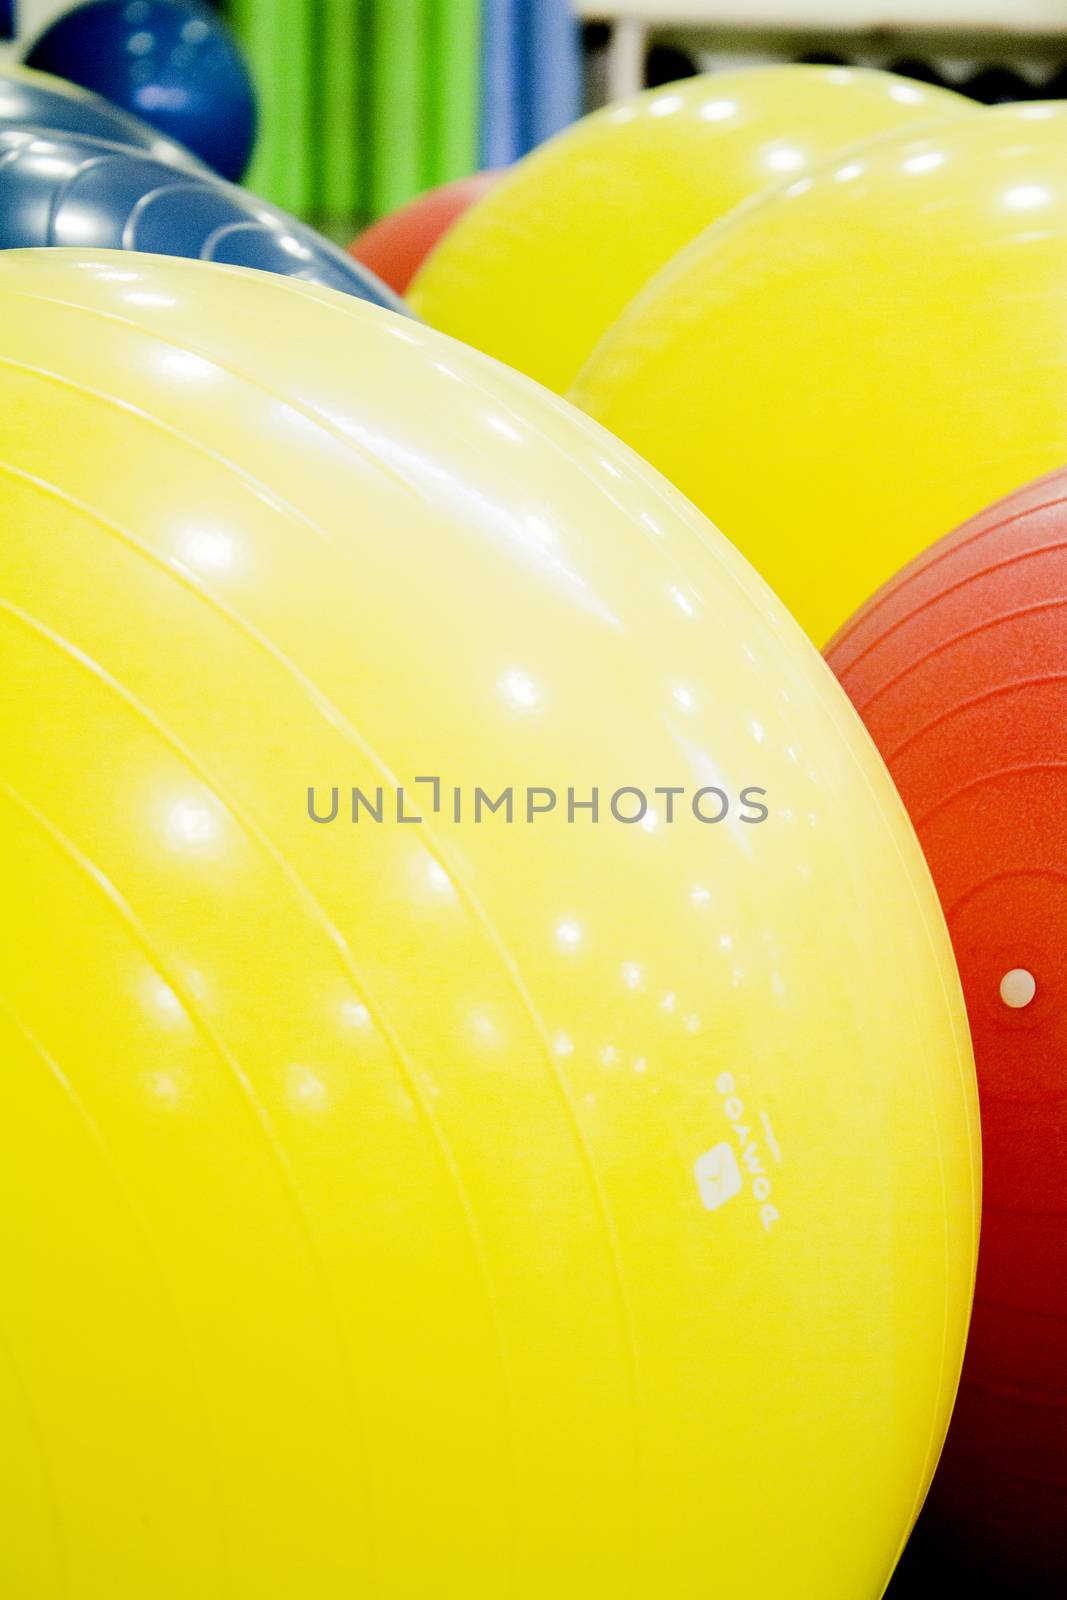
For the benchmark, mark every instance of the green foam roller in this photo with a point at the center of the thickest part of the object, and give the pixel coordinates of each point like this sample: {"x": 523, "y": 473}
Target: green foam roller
{"x": 344, "y": 47}
{"x": 278, "y": 38}
{"x": 400, "y": 68}
{"x": 455, "y": 28}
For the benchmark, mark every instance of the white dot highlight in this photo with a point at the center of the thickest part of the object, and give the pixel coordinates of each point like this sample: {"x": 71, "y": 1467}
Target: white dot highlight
{"x": 354, "y": 1014}
{"x": 1017, "y": 988}
{"x": 927, "y": 161}
{"x": 520, "y": 690}
{"x": 718, "y": 110}
{"x": 1027, "y": 196}
{"x": 784, "y": 158}
{"x": 294, "y": 247}
{"x": 438, "y": 879}
{"x": 305, "y": 1091}
{"x": 207, "y": 550}
{"x": 190, "y": 824}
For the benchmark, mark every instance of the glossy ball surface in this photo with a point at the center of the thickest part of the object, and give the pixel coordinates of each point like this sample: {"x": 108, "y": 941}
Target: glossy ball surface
{"x": 851, "y": 367}
{"x": 174, "y": 65}
{"x": 432, "y": 1193}
{"x": 31, "y": 99}
{"x": 66, "y": 190}
{"x": 540, "y": 268}
{"x": 959, "y": 668}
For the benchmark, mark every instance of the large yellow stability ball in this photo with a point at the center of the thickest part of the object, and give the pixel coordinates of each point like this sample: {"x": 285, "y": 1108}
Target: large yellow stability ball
{"x": 860, "y": 362}
{"x": 538, "y": 269}
{"x": 406, "y": 1207}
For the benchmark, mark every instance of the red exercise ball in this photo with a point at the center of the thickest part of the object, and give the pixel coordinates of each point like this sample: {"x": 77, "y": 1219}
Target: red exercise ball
{"x": 396, "y": 245}
{"x": 959, "y": 669}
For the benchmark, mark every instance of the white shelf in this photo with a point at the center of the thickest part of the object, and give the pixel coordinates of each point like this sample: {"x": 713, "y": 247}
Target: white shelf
{"x": 1045, "y": 18}
{"x": 756, "y": 24}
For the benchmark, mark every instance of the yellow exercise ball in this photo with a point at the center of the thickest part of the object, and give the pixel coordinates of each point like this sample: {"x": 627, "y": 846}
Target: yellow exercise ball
{"x": 444, "y": 1204}
{"x": 862, "y": 361}
{"x": 538, "y": 269}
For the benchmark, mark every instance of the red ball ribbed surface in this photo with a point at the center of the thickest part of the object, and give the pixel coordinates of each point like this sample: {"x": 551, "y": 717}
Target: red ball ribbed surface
{"x": 959, "y": 669}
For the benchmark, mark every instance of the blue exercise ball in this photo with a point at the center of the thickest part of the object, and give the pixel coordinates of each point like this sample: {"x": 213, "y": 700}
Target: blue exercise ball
{"x": 67, "y": 189}
{"x": 37, "y": 99}
{"x": 176, "y": 65}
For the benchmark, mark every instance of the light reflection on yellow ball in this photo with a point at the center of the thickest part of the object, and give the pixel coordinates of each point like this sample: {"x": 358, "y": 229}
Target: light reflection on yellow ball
{"x": 541, "y": 267}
